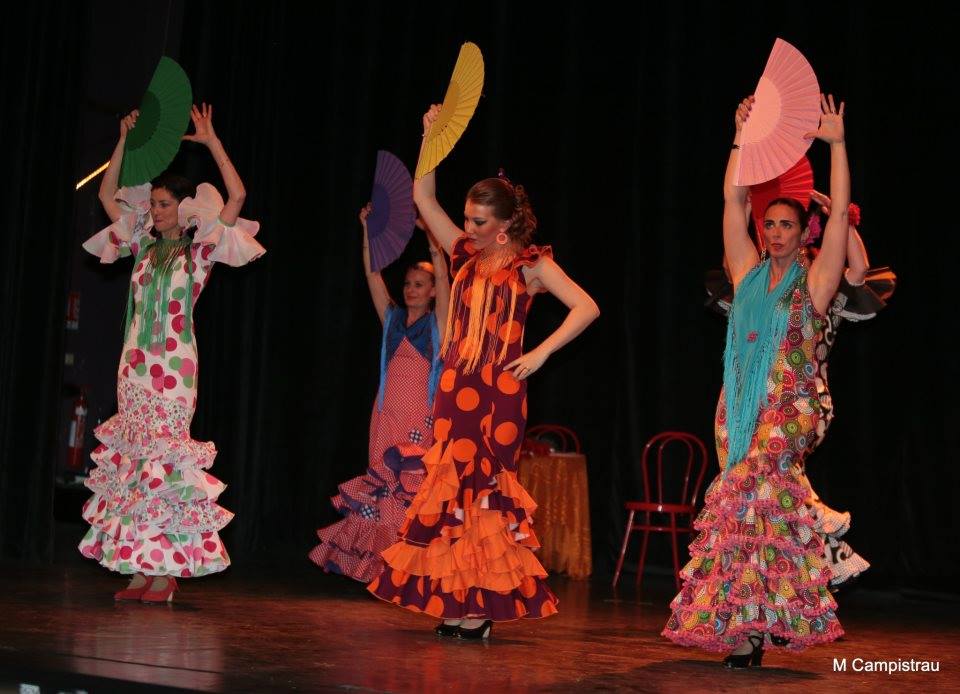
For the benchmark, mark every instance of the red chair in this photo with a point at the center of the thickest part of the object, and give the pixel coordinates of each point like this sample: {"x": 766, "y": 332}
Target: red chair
{"x": 555, "y": 433}
{"x": 680, "y": 514}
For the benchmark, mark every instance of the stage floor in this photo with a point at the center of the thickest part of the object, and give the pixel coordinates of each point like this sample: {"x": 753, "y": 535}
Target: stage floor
{"x": 271, "y": 629}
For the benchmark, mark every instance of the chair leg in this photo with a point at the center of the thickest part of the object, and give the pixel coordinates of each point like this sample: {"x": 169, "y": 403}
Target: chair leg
{"x": 623, "y": 548}
{"x": 643, "y": 549}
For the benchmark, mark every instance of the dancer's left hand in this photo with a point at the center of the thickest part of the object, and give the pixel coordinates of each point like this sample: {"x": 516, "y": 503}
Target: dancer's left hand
{"x": 831, "y": 121}
{"x": 527, "y": 364}
{"x": 202, "y": 125}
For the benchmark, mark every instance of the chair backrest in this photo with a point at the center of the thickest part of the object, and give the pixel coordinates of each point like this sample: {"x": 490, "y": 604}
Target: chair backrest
{"x": 693, "y": 469}
{"x": 554, "y": 433}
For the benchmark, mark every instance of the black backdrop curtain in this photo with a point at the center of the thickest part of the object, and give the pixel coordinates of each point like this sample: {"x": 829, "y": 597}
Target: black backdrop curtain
{"x": 41, "y": 52}
{"x": 619, "y": 126}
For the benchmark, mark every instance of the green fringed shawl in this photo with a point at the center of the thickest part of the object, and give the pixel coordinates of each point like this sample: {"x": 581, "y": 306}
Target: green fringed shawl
{"x": 162, "y": 255}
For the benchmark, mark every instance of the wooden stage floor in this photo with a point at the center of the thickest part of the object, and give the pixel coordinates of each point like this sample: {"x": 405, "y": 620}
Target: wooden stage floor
{"x": 297, "y": 629}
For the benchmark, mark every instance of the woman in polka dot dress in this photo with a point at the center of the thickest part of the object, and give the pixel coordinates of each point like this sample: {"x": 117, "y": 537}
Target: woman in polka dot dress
{"x": 154, "y": 511}
{"x": 401, "y": 427}
{"x": 465, "y": 554}
{"x": 757, "y": 575}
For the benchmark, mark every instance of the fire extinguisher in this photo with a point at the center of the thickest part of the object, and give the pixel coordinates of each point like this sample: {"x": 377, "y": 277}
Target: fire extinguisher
{"x": 77, "y": 430}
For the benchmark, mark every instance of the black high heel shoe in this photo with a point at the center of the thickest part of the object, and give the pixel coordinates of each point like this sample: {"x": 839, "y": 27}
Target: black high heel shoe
{"x": 751, "y": 659}
{"x": 444, "y": 629}
{"x": 481, "y": 632}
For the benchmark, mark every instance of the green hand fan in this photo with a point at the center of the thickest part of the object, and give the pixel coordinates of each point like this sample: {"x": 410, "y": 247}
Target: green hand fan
{"x": 164, "y": 115}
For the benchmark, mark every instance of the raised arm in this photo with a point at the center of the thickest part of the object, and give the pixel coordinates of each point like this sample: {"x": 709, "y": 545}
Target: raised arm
{"x": 425, "y": 196}
{"x": 378, "y": 289}
{"x": 111, "y": 177}
{"x": 738, "y": 248}
{"x": 441, "y": 276}
{"x": 204, "y": 134}
{"x": 825, "y": 271}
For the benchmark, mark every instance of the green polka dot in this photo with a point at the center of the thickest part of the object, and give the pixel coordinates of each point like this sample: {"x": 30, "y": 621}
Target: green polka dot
{"x": 124, "y": 251}
{"x": 176, "y": 363}
{"x": 188, "y": 381}
{"x": 704, "y": 616}
{"x": 178, "y": 293}
{"x": 796, "y": 357}
{"x": 791, "y": 428}
{"x": 185, "y": 336}
{"x": 141, "y": 369}
{"x": 126, "y": 520}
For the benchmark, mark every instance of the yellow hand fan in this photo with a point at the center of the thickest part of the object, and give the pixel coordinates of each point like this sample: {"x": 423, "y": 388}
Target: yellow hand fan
{"x": 460, "y": 102}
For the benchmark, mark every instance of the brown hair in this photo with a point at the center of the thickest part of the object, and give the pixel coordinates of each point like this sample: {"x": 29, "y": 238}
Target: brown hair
{"x": 509, "y": 202}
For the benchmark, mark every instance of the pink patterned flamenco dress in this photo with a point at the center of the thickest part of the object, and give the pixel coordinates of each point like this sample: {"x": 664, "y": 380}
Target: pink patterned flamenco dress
{"x": 374, "y": 505}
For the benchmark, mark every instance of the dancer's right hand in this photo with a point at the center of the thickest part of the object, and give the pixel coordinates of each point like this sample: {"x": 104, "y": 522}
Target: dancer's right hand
{"x": 128, "y": 122}
{"x": 743, "y": 112}
{"x": 364, "y": 213}
{"x": 430, "y": 117}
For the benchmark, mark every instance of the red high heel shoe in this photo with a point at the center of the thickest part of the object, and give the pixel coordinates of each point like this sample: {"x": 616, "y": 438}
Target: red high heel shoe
{"x": 133, "y": 593}
{"x": 160, "y": 596}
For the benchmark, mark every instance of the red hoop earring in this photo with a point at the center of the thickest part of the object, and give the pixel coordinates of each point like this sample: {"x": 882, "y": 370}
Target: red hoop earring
{"x": 502, "y": 238}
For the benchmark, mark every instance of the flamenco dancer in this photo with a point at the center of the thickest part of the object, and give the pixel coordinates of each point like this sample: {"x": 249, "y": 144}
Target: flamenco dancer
{"x": 154, "y": 512}
{"x": 401, "y": 428}
{"x": 465, "y": 554}
{"x": 757, "y": 573}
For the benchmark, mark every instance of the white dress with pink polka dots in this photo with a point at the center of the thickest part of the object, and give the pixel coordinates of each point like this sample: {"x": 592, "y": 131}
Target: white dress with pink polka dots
{"x": 154, "y": 507}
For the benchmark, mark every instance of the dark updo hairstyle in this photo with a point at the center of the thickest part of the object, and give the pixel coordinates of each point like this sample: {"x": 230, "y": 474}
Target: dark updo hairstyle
{"x": 178, "y": 187}
{"x": 802, "y": 214}
{"x": 509, "y": 202}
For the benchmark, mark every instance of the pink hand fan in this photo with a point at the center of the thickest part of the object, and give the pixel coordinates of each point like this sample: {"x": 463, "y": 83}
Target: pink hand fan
{"x": 787, "y": 106}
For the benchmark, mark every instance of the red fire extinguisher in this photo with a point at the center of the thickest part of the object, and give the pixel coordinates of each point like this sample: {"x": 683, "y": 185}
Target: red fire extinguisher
{"x": 77, "y": 430}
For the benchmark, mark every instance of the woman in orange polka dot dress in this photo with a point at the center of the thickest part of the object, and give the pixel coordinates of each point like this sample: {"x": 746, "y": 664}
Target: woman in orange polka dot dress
{"x": 154, "y": 511}
{"x": 465, "y": 553}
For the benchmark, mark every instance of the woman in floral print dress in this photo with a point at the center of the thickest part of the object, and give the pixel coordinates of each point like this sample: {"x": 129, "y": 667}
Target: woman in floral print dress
{"x": 465, "y": 553}
{"x": 757, "y": 572}
{"x": 154, "y": 511}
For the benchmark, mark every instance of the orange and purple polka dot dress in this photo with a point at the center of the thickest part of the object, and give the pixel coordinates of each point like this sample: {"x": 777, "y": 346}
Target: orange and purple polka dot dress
{"x": 466, "y": 547}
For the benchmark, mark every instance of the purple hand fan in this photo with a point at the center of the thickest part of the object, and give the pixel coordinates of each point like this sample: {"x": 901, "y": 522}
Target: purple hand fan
{"x": 390, "y": 223}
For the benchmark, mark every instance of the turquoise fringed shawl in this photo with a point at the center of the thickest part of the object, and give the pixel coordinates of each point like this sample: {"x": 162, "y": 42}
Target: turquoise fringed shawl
{"x": 757, "y": 326}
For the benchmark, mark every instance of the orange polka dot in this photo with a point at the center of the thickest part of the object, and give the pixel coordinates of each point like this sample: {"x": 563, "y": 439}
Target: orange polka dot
{"x": 441, "y": 429}
{"x": 500, "y": 276}
{"x": 520, "y": 607}
{"x": 457, "y": 329}
{"x": 373, "y": 584}
{"x": 528, "y": 587}
{"x": 467, "y": 470}
{"x": 511, "y": 332}
{"x": 434, "y": 606}
{"x": 492, "y": 320}
{"x": 398, "y": 577}
{"x": 523, "y": 407}
{"x": 468, "y": 399}
{"x": 506, "y": 433}
{"x": 464, "y": 450}
{"x": 486, "y": 467}
{"x": 507, "y": 384}
{"x": 486, "y": 374}
{"x": 479, "y": 599}
{"x": 447, "y": 380}
{"x": 420, "y": 587}
{"x": 460, "y": 595}
{"x": 467, "y": 295}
